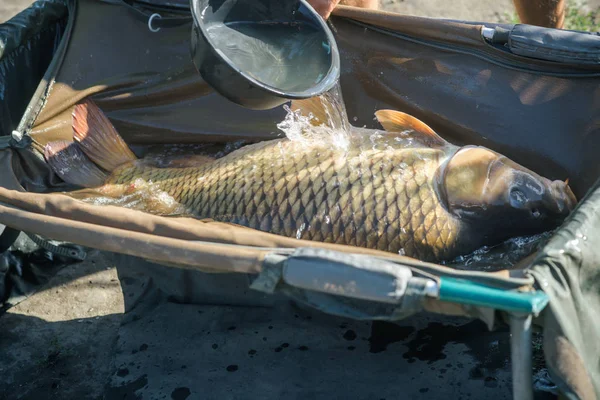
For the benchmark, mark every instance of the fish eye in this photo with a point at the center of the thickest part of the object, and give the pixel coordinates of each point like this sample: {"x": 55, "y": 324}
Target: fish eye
{"x": 536, "y": 213}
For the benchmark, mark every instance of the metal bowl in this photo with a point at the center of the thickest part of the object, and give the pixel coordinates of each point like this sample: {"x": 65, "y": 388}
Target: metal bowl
{"x": 262, "y": 53}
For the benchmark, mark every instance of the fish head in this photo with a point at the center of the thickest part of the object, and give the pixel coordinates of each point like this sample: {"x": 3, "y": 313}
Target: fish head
{"x": 500, "y": 198}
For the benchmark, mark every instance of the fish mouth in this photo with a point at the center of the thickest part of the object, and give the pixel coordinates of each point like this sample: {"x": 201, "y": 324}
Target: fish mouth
{"x": 563, "y": 198}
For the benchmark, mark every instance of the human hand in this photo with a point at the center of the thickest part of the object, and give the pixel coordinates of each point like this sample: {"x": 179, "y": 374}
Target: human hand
{"x": 323, "y": 7}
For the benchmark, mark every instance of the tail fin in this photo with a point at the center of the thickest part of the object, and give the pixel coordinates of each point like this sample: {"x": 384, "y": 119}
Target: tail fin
{"x": 70, "y": 163}
{"x": 97, "y": 137}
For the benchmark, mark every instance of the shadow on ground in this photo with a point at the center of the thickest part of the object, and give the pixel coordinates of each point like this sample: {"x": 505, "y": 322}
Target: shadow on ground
{"x": 189, "y": 335}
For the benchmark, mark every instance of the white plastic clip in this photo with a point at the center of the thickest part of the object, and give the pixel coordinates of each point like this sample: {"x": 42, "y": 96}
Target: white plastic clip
{"x": 487, "y": 33}
{"x": 155, "y": 15}
{"x": 17, "y": 136}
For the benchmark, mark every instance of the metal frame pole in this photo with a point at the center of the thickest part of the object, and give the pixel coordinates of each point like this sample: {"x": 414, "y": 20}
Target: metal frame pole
{"x": 521, "y": 356}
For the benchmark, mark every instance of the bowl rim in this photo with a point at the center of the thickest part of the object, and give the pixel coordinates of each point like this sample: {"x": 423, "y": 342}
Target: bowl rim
{"x": 326, "y": 83}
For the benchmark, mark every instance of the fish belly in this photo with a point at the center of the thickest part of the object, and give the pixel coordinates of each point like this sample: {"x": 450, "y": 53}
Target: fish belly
{"x": 381, "y": 200}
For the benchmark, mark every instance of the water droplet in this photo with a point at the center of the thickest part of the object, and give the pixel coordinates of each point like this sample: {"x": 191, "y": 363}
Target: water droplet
{"x": 300, "y": 230}
{"x": 299, "y": 128}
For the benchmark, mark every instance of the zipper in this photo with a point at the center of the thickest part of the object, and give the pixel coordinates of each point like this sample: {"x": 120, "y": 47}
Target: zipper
{"x": 497, "y": 60}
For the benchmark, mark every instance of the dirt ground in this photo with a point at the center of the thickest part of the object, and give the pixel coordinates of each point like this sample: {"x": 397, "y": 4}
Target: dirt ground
{"x": 8, "y": 8}
{"x": 472, "y": 10}
{"x": 476, "y": 10}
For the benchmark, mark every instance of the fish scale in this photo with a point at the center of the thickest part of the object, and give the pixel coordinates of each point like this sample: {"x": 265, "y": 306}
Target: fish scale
{"x": 382, "y": 200}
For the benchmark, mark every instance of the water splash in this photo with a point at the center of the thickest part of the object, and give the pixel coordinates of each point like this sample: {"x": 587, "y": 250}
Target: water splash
{"x": 334, "y": 132}
{"x": 163, "y": 155}
{"x": 543, "y": 382}
{"x": 381, "y": 142}
{"x": 141, "y": 195}
{"x": 502, "y": 256}
{"x": 300, "y": 230}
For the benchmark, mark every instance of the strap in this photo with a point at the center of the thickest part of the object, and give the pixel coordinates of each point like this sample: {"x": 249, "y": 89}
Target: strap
{"x": 155, "y": 20}
{"x": 16, "y": 141}
{"x": 61, "y": 250}
{"x": 8, "y": 237}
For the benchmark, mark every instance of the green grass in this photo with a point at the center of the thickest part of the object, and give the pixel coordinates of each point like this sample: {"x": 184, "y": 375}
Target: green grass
{"x": 582, "y": 21}
{"x": 576, "y": 19}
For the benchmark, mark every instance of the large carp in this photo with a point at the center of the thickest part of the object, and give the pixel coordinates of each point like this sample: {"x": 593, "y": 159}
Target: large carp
{"x": 405, "y": 190}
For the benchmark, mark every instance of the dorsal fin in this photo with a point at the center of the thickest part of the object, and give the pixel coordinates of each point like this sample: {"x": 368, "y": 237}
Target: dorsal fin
{"x": 323, "y": 113}
{"x": 396, "y": 121}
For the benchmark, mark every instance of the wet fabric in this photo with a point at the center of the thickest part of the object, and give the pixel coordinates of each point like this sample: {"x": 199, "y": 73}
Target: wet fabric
{"x": 27, "y": 44}
{"x": 544, "y": 115}
{"x": 465, "y": 89}
{"x": 568, "y": 272}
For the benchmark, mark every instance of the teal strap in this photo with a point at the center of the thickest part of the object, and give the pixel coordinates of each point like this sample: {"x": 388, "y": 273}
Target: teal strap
{"x": 465, "y": 292}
